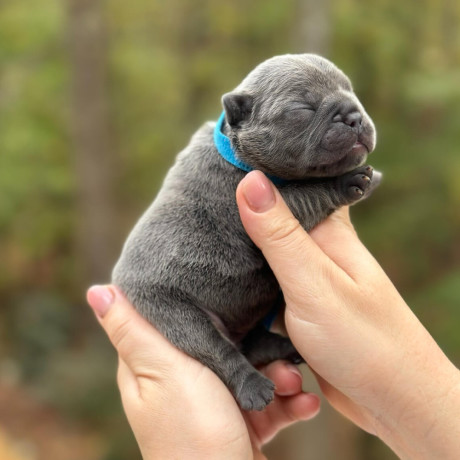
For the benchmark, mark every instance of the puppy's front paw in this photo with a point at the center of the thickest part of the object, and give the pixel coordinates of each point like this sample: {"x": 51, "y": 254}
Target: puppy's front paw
{"x": 256, "y": 392}
{"x": 358, "y": 183}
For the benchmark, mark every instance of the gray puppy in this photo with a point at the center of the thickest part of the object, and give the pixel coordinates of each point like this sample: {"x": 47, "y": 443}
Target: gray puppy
{"x": 190, "y": 268}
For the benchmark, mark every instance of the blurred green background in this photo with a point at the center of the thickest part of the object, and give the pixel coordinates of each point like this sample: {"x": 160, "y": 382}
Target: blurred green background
{"x": 96, "y": 99}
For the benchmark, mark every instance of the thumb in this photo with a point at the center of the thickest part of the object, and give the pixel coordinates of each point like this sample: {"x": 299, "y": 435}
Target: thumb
{"x": 296, "y": 260}
{"x": 137, "y": 342}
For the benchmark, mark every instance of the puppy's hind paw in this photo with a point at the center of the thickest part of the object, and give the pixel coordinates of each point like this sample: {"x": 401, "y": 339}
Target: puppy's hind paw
{"x": 256, "y": 392}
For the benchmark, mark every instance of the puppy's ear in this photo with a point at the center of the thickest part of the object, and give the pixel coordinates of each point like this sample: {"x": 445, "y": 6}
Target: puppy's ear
{"x": 238, "y": 107}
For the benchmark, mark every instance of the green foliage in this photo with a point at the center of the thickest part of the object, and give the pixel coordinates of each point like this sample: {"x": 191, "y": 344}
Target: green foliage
{"x": 35, "y": 172}
{"x": 178, "y": 59}
{"x": 168, "y": 65}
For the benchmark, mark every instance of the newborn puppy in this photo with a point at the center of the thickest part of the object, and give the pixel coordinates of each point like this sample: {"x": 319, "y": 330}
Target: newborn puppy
{"x": 190, "y": 268}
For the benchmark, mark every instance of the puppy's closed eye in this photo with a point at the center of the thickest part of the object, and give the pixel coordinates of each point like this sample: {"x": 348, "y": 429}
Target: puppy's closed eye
{"x": 296, "y": 106}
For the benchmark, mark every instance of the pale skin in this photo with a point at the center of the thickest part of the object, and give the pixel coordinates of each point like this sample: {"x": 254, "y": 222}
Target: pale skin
{"x": 374, "y": 360}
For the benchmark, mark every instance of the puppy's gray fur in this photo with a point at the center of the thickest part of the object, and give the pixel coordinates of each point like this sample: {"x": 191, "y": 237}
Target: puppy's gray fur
{"x": 190, "y": 268}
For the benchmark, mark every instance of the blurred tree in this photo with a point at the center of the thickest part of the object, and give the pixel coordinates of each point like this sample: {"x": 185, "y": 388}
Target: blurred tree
{"x": 95, "y": 161}
{"x": 142, "y": 77}
{"x": 312, "y": 34}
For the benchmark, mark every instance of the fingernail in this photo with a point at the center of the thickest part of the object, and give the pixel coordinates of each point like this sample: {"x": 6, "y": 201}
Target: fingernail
{"x": 258, "y": 192}
{"x": 100, "y": 299}
{"x": 294, "y": 369}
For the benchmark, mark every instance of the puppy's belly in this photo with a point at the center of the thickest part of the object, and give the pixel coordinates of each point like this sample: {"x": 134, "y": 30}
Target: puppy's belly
{"x": 227, "y": 279}
{"x": 238, "y": 302}
{"x": 233, "y": 303}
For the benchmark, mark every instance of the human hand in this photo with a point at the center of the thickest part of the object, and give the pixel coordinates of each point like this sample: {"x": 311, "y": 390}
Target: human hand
{"x": 178, "y": 408}
{"x": 373, "y": 359}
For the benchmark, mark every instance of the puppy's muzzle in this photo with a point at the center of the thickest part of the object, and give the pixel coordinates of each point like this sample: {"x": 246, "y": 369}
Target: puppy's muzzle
{"x": 352, "y": 119}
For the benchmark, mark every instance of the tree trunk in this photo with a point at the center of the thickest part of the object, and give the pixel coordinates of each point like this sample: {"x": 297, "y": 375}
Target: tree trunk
{"x": 313, "y": 31}
{"x": 94, "y": 156}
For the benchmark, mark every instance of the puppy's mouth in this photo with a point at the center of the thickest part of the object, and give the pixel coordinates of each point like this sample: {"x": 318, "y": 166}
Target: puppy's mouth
{"x": 339, "y": 163}
{"x": 359, "y": 147}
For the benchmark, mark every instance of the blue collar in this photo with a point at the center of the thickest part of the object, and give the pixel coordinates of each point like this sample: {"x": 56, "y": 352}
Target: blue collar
{"x": 224, "y": 147}
{"x": 274, "y": 312}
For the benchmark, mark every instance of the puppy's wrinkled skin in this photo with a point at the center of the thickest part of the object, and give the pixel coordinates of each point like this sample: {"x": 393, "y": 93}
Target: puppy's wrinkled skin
{"x": 188, "y": 265}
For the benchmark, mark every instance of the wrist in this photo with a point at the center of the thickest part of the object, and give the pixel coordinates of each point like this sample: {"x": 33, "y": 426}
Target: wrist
{"x": 199, "y": 453}
{"x": 175, "y": 440}
{"x": 419, "y": 417}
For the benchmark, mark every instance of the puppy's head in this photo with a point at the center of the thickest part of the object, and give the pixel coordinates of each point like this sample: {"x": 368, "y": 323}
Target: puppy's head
{"x": 296, "y": 116}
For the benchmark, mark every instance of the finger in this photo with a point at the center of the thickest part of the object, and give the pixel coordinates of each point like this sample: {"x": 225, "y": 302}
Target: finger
{"x": 282, "y": 412}
{"x": 286, "y": 376}
{"x": 303, "y": 406}
{"x": 290, "y": 404}
{"x": 137, "y": 342}
{"x": 291, "y": 253}
{"x": 337, "y": 238}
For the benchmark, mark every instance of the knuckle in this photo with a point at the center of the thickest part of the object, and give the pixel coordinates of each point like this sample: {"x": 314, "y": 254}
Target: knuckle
{"x": 119, "y": 333}
{"x": 283, "y": 230}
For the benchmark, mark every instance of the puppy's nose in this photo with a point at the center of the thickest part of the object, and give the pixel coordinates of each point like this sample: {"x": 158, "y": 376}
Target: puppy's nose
{"x": 353, "y": 119}
{"x": 350, "y": 117}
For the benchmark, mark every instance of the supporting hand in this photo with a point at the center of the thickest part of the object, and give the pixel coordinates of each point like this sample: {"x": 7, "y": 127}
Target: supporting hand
{"x": 374, "y": 361}
{"x": 177, "y": 407}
